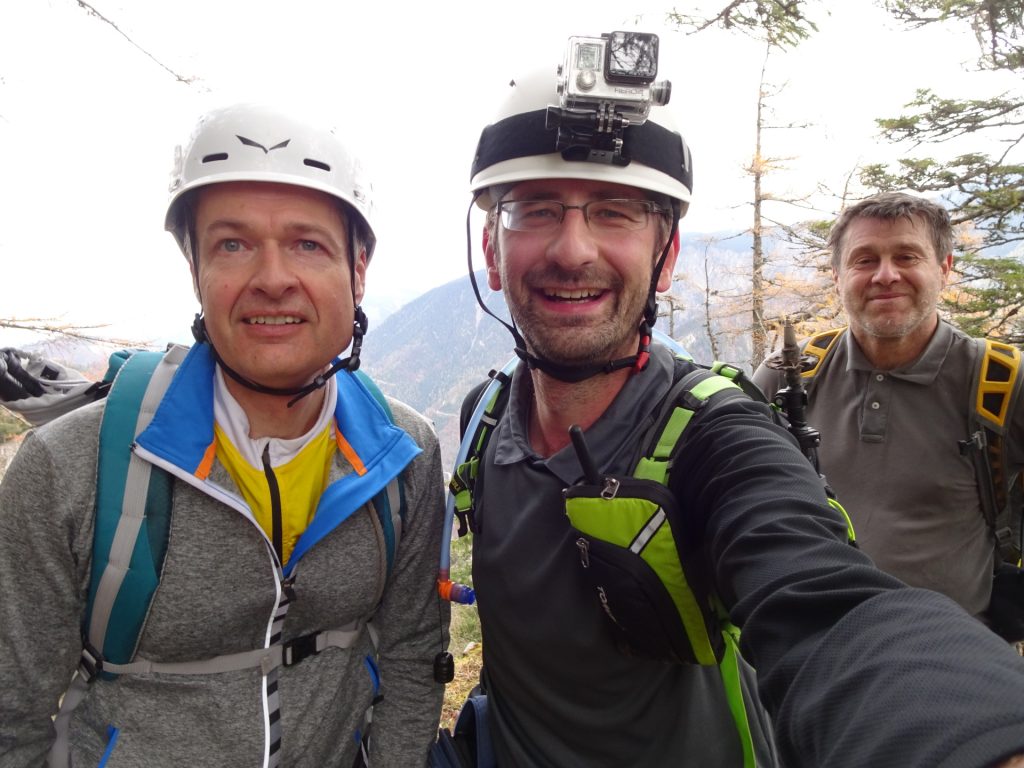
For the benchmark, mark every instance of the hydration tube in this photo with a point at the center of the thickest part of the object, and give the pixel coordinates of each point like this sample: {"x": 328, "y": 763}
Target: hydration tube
{"x": 446, "y": 588}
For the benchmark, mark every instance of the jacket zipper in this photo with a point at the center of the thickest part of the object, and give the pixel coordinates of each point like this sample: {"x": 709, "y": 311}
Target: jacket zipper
{"x": 276, "y": 524}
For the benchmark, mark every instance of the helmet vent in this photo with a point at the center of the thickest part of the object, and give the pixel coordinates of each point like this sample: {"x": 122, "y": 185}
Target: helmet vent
{"x": 317, "y": 164}
{"x": 215, "y": 157}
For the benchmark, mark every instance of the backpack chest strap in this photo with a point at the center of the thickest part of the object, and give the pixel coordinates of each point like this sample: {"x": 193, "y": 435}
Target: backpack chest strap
{"x": 266, "y": 659}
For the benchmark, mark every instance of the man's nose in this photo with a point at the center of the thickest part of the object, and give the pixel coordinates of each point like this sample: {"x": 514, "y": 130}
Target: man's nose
{"x": 886, "y": 272}
{"x": 574, "y": 244}
{"x": 274, "y": 274}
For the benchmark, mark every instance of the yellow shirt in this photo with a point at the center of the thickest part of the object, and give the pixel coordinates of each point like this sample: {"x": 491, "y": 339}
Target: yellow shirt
{"x": 299, "y": 484}
{"x": 291, "y": 472}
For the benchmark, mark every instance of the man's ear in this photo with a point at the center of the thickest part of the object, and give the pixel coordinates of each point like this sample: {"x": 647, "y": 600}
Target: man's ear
{"x": 195, "y": 279}
{"x": 493, "y": 276}
{"x": 668, "y": 269}
{"x": 359, "y": 276}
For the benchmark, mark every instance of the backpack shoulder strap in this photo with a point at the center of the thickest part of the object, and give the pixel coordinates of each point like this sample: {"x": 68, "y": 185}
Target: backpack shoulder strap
{"x": 817, "y": 349}
{"x": 995, "y": 393}
{"x": 390, "y": 503}
{"x": 689, "y": 394}
{"x": 996, "y": 386}
{"x": 481, "y": 411}
{"x": 133, "y": 503}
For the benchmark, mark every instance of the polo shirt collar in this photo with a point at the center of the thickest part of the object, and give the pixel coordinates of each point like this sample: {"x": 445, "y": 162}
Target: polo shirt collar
{"x": 923, "y": 370}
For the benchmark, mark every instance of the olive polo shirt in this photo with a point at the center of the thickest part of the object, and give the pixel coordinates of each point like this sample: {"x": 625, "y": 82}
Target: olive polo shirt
{"x": 889, "y": 449}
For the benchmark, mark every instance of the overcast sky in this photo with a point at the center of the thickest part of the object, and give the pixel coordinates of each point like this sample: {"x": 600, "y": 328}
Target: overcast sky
{"x": 88, "y": 123}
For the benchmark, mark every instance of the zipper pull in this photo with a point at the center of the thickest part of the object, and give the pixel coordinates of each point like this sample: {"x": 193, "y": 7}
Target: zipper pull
{"x": 584, "y": 547}
{"x": 610, "y": 489}
{"x": 288, "y": 587}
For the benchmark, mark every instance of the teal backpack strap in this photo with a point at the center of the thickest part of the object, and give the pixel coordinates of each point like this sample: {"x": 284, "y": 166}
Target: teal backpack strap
{"x": 133, "y": 501}
{"x": 389, "y": 504}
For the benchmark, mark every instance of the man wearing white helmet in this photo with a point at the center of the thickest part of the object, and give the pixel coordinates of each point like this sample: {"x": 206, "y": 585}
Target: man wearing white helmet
{"x": 583, "y": 200}
{"x": 287, "y": 606}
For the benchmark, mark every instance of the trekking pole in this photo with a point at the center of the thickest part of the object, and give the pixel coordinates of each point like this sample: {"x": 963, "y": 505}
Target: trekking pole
{"x": 792, "y": 400}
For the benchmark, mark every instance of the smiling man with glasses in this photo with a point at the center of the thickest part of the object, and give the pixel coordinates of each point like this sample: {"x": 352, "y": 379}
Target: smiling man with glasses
{"x": 630, "y": 509}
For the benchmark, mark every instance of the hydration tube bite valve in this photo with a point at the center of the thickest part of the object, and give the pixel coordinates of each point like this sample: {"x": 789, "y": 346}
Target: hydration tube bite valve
{"x": 454, "y": 592}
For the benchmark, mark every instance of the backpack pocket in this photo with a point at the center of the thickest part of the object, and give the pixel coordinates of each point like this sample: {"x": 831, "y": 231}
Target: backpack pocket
{"x": 627, "y": 535}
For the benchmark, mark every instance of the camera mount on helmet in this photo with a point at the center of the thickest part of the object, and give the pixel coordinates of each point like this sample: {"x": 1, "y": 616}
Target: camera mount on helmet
{"x": 605, "y": 85}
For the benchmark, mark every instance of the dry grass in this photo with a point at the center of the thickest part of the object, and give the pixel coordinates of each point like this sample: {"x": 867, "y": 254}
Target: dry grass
{"x": 465, "y": 638}
{"x": 467, "y": 675}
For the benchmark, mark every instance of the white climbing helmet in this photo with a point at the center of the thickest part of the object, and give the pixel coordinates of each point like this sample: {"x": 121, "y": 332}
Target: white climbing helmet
{"x": 248, "y": 142}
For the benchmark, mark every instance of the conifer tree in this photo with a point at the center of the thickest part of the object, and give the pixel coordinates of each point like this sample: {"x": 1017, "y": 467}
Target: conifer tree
{"x": 984, "y": 191}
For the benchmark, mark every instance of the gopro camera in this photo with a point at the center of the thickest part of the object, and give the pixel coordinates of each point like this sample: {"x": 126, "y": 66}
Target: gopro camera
{"x": 617, "y": 71}
{"x": 605, "y": 84}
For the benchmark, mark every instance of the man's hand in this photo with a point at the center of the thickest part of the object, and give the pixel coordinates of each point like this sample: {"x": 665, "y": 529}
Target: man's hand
{"x": 15, "y": 382}
{"x": 1013, "y": 762}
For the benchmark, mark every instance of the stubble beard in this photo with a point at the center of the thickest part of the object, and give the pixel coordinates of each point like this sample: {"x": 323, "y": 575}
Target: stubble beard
{"x": 899, "y": 326}
{"x": 578, "y": 340}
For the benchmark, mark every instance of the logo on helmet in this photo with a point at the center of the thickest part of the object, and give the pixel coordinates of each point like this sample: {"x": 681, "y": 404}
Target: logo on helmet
{"x": 251, "y": 143}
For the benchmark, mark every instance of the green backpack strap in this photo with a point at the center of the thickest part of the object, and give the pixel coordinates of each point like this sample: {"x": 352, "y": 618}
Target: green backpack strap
{"x": 688, "y": 395}
{"x": 691, "y": 393}
{"x": 481, "y": 411}
{"x": 133, "y": 503}
{"x": 389, "y": 504}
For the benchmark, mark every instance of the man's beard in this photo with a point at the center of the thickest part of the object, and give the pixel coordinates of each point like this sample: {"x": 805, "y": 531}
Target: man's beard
{"x": 898, "y": 326}
{"x": 577, "y": 339}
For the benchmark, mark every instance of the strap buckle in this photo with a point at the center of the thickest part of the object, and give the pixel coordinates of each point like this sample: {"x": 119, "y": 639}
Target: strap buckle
{"x": 91, "y": 662}
{"x": 300, "y": 648}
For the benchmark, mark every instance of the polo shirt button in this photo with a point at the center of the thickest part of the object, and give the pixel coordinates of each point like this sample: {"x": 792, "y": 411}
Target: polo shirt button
{"x": 876, "y": 405}
{"x": 879, "y": 377}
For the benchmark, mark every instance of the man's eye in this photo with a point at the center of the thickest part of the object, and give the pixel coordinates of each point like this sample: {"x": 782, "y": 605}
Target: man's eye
{"x": 231, "y": 246}
{"x": 610, "y": 212}
{"x": 309, "y": 245}
{"x": 538, "y": 211}
{"x": 606, "y": 213}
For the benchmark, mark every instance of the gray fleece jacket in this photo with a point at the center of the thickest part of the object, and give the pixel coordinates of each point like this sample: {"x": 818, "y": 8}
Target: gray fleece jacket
{"x": 217, "y": 590}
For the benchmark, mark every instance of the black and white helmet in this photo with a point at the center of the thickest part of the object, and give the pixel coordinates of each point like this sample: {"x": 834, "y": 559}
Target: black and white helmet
{"x": 518, "y": 146}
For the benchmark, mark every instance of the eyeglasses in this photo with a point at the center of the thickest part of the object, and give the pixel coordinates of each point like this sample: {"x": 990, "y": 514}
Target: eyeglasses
{"x": 600, "y": 215}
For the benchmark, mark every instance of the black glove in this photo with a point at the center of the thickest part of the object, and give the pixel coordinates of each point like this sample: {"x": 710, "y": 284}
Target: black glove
{"x": 1006, "y": 609}
{"x": 15, "y": 382}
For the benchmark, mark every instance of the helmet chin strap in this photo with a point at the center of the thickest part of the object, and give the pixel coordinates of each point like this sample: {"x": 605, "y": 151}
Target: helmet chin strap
{"x": 573, "y": 374}
{"x": 359, "y": 328}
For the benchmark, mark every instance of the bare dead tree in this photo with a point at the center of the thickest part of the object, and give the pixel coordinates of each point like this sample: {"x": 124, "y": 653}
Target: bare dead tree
{"x": 113, "y": 25}
{"x": 53, "y": 327}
